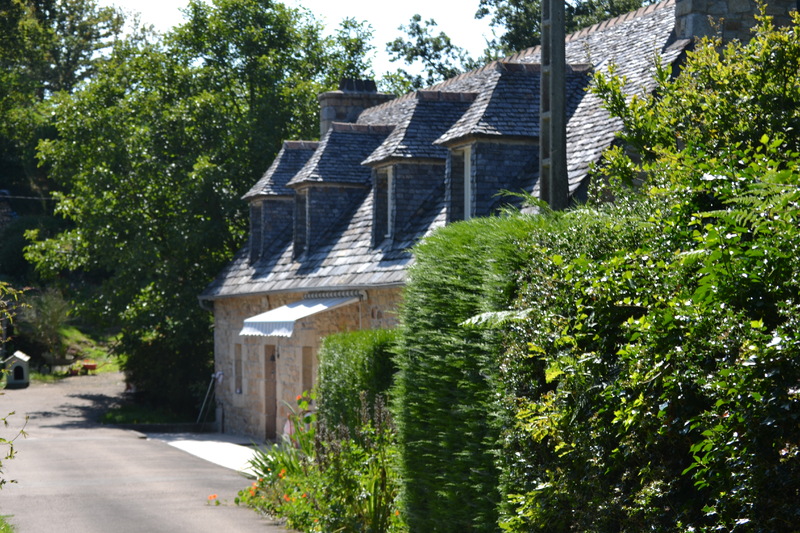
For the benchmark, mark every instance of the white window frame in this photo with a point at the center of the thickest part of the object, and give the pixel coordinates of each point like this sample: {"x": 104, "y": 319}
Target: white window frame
{"x": 467, "y": 182}
{"x": 389, "y": 201}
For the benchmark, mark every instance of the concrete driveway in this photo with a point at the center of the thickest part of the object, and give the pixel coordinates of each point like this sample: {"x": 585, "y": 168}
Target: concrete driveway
{"x": 74, "y": 475}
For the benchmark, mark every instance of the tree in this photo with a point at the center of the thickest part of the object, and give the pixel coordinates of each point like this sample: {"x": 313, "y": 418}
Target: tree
{"x": 153, "y": 154}
{"x": 47, "y": 46}
{"x": 439, "y": 57}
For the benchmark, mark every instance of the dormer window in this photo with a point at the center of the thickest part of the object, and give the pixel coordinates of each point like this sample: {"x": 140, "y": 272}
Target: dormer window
{"x": 460, "y": 185}
{"x": 467, "y": 155}
{"x": 256, "y": 227}
{"x": 300, "y": 223}
{"x": 383, "y": 205}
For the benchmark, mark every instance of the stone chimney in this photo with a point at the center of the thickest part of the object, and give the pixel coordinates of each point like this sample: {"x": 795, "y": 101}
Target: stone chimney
{"x": 344, "y": 105}
{"x": 732, "y": 19}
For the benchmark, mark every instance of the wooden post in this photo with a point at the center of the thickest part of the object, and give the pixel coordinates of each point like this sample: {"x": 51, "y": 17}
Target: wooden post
{"x": 553, "y": 182}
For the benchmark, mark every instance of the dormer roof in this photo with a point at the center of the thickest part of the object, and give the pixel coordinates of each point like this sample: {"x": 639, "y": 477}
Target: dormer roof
{"x": 340, "y": 153}
{"x": 292, "y": 156}
{"x": 427, "y": 114}
{"x": 509, "y": 104}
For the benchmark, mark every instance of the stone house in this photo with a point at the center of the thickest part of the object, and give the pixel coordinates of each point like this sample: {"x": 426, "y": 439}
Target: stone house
{"x": 332, "y": 220}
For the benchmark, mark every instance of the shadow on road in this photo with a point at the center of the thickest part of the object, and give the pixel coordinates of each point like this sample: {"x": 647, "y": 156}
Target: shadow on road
{"x": 72, "y": 403}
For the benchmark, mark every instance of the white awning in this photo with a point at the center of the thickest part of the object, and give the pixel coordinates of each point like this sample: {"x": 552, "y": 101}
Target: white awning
{"x": 279, "y": 322}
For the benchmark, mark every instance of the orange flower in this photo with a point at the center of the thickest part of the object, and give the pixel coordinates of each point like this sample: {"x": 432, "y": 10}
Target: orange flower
{"x": 299, "y": 397}
{"x": 287, "y": 498}
{"x": 282, "y": 473}
{"x": 212, "y": 497}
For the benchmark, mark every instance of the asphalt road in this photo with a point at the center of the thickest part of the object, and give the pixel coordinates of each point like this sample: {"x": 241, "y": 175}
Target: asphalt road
{"x": 74, "y": 475}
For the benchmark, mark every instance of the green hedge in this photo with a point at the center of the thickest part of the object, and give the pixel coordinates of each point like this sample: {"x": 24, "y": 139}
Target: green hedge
{"x": 354, "y": 368}
{"x": 445, "y": 404}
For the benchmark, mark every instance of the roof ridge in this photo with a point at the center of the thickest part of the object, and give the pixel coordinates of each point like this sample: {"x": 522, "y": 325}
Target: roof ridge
{"x": 446, "y": 96}
{"x": 300, "y": 145}
{"x": 603, "y": 25}
{"x": 350, "y": 127}
{"x": 444, "y": 83}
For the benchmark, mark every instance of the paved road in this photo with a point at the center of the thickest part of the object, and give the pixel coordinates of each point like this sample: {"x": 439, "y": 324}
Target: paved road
{"x": 76, "y": 476}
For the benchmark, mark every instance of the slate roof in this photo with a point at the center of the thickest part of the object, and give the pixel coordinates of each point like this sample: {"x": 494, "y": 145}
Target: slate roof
{"x": 340, "y": 153}
{"x": 292, "y": 156}
{"x": 350, "y": 263}
{"x": 347, "y": 260}
{"x": 630, "y": 43}
{"x": 508, "y": 106}
{"x": 425, "y": 117}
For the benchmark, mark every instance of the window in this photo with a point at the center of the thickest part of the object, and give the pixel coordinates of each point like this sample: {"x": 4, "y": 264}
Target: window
{"x": 270, "y": 391}
{"x": 467, "y": 183}
{"x": 256, "y": 225}
{"x": 460, "y": 207}
{"x": 390, "y": 203}
{"x": 383, "y": 205}
{"x": 300, "y": 223}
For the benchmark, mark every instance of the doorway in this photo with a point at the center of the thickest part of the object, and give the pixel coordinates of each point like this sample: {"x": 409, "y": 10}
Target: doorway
{"x": 270, "y": 391}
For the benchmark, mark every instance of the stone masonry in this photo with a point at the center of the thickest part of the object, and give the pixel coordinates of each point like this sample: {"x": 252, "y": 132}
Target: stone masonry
{"x": 731, "y": 19}
{"x": 243, "y": 401}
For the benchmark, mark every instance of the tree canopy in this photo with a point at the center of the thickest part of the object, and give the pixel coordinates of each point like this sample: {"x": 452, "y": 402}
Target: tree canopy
{"x": 153, "y": 154}
{"x": 439, "y": 57}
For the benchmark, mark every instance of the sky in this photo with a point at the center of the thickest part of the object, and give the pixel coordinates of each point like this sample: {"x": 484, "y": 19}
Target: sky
{"x": 456, "y": 18}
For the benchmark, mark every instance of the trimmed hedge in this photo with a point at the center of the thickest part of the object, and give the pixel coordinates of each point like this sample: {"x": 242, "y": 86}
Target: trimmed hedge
{"x": 445, "y": 405}
{"x": 354, "y": 368}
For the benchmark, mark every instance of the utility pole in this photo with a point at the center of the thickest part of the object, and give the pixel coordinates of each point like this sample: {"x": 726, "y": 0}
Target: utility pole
{"x": 553, "y": 182}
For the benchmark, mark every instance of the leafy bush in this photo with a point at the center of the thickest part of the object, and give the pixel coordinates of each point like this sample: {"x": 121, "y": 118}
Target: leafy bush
{"x": 648, "y": 365}
{"x": 346, "y": 483}
{"x": 8, "y": 298}
{"x": 41, "y": 321}
{"x": 655, "y": 385}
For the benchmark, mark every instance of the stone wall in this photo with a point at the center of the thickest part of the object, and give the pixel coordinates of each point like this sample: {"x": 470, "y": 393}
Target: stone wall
{"x": 326, "y": 206}
{"x": 276, "y": 222}
{"x": 242, "y": 402}
{"x": 346, "y": 104}
{"x": 732, "y": 19}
